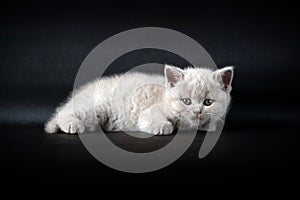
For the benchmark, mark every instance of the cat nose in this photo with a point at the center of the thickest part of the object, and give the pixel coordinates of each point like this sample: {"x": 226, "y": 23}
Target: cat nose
{"x": 196, "y": 112}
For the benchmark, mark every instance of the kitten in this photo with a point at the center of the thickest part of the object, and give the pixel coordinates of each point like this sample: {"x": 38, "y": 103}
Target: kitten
{"x": 149, "y": 103}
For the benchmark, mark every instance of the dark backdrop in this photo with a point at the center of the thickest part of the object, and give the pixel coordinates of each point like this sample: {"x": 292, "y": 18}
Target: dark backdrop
{"x": 42, "y": 45}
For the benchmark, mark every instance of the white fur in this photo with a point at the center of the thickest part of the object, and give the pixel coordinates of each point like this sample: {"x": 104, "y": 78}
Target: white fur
{"x": 145, "y": 102}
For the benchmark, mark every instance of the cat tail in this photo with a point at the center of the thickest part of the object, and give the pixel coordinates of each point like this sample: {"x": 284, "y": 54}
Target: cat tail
{"x": 51, "y": 126}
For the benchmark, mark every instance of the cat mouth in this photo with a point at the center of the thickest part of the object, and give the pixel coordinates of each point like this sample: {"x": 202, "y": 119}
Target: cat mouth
{"x": 196, "y": 118}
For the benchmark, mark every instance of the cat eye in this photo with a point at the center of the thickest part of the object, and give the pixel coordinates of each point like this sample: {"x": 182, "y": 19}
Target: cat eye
{"x": 208, "y": 102}
{"x": 187, "y": 101}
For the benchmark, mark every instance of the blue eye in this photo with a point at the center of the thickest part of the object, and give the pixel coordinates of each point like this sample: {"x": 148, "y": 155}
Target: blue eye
{"x": 208, "y": 102}
{"x": 186, "y": 101}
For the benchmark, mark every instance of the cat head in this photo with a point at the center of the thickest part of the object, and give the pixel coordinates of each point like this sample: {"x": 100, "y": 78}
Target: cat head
{"x": 197, "y": 95}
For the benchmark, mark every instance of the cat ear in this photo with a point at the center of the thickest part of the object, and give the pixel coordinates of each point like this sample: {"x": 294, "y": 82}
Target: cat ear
{"x": 173, "y": 75}
{"x": 224, "y": 76}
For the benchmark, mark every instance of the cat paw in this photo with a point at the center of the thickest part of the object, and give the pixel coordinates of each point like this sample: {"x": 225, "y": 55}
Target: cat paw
{"x": 165, "y": 128}
{"x": 71, "y": 125}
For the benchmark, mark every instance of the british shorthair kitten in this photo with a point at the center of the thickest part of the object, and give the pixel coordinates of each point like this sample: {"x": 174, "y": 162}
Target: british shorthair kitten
{"x": 149, "y": 103}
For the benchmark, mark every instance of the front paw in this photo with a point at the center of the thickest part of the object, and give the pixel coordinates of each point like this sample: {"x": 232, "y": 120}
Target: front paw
{"x": 164, "y": 128}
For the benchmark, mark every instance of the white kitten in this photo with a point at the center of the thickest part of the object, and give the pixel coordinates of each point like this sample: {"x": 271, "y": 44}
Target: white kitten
{"x": 150, "y": 103}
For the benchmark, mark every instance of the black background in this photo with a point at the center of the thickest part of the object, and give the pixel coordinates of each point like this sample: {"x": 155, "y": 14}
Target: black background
{"x": 42, "y": 45}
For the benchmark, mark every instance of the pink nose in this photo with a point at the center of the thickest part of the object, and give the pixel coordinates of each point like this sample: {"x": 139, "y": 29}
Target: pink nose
{"x": 197, "y": 113}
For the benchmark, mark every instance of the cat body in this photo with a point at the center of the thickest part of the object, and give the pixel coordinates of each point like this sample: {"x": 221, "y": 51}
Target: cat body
{"x": 150, "y": 103}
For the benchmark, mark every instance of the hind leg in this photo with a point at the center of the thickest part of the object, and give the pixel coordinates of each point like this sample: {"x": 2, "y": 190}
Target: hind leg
{"x": 67, "y": 122}
{"x": 71, "y": 124}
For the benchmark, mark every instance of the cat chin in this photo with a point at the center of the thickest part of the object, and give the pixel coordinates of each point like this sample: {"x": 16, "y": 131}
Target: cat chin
{"x": 186, "y": 123}
{"x": 195, "y": 122}
{"x": 209, "y": 127}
